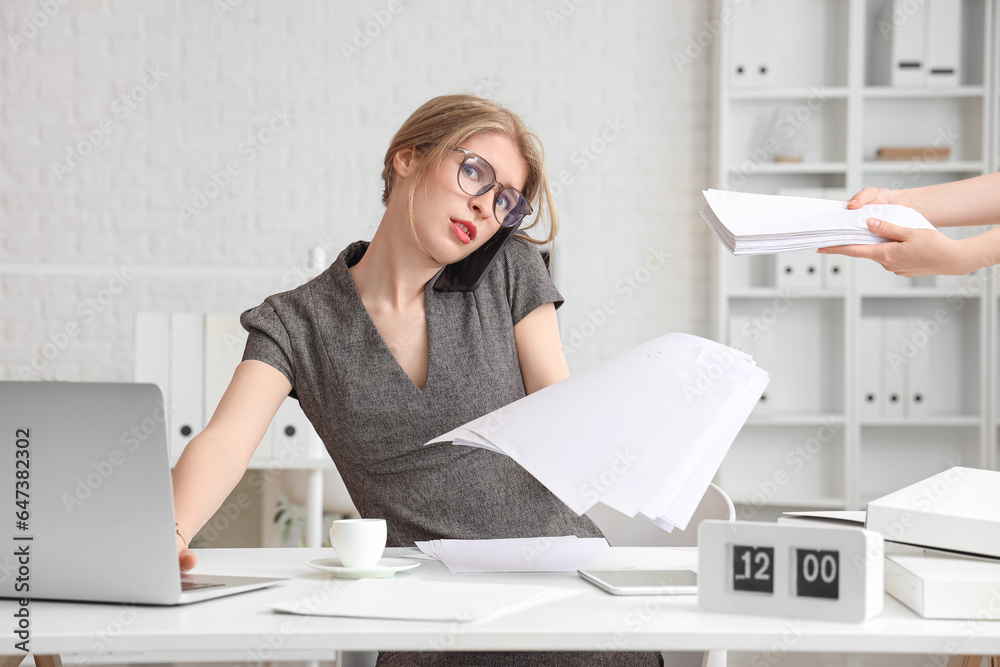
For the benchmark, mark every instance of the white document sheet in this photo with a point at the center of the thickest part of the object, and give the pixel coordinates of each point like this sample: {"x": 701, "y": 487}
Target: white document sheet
{"x": 752, "y": 224}
{"x": 643, "y": 432}
{"x": 416, "y": 599}
{"x": 532, "y": 554}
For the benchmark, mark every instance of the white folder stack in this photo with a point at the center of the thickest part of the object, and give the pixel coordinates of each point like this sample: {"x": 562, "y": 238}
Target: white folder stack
{"x": 751, "y": 224}
{"x": 644, "y": 432}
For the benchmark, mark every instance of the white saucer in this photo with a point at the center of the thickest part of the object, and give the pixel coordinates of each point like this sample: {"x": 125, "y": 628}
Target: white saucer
{"x": 385, "y": 568}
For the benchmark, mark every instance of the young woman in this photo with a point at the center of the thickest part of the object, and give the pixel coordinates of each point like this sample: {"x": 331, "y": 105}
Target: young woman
{"x": 381, "y": 362}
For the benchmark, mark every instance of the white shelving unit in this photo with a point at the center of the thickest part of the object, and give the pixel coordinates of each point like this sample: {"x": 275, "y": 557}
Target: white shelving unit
{"x": 798, "y": 111}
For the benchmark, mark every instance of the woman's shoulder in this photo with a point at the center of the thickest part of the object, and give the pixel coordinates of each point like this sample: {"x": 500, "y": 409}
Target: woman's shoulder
{"x": 304, "y": 301}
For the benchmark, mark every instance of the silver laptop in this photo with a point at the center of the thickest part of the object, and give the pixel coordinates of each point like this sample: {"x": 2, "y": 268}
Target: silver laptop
{"x": 85, "y": 472}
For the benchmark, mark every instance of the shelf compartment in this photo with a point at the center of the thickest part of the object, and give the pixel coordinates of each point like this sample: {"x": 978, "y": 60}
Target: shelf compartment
{"x": 812, "y": 130}
{"x": 933, "y": 122}
{"x": 934, "y": 339}
{"x": 893, "y": 457}
{"x": 790, "y": 466}
{"x": 801, "y": 342}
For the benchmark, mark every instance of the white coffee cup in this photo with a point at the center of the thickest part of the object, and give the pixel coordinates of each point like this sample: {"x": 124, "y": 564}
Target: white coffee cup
{"x": 358, "y": 542}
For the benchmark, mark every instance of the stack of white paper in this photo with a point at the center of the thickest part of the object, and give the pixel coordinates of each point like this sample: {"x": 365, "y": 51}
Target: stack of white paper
{"x": 532, "y": 554}
{"x": 425, "y": 600}
{"x": 643, "y": 432}
{"x": 749, "y": 224}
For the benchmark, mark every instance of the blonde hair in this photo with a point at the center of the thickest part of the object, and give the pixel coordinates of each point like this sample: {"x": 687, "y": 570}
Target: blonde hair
{"x": 444, "y": 123}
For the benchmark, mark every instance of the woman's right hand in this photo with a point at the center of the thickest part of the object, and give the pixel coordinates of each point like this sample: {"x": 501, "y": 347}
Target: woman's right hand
{"x": 873, "y": 196}
{"x": 185, "y": 557}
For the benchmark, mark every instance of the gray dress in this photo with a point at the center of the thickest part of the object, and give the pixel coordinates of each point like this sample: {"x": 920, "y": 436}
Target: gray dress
{"x": 374, "y": 420}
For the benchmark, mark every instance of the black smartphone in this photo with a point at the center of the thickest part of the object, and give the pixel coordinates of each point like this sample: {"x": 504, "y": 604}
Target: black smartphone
{"x": 467, "y": 274}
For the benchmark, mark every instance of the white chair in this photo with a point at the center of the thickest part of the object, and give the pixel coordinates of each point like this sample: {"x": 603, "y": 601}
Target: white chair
{"x": 624, "y": 531}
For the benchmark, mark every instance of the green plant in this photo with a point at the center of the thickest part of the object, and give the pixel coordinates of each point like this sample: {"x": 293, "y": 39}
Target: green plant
{"x": 290, "y": 516}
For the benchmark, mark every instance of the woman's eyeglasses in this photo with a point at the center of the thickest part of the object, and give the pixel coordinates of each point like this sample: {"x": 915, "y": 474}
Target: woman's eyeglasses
{"x": 476, "y": 177}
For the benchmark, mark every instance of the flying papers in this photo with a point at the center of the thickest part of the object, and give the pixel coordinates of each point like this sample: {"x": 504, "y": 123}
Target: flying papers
{"x": 749, "y": 224}
{"x": 643, "y": 432}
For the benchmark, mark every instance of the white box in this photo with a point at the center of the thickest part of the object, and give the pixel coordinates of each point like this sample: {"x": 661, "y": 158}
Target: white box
{"x": 938, "y": 585}
{"x": 907, "y": 43}
{"x": 152, "y": 350}
{"x": 870, "y": 366}
{"x": 786, "y": 270}
{"x": 294, "y": 438}
{"x": 954, "y": 510}
{"x": 894, "y": 367}
{"x": 944, "y": 31}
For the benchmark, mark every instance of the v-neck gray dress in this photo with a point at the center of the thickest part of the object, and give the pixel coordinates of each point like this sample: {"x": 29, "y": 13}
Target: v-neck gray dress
{"x": 374, "y": 420}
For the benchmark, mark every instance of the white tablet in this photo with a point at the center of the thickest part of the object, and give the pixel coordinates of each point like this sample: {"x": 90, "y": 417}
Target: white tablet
{"x": 643, "y": 582}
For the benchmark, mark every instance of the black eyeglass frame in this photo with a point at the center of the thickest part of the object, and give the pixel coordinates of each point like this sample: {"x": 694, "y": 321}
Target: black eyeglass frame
{"x": 467, "y": 153}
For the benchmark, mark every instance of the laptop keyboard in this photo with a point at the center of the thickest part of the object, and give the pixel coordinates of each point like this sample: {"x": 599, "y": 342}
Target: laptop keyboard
{"x": 194, "y": 585}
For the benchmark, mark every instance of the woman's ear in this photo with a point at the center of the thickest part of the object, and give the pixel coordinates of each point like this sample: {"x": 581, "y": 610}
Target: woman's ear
{"x": 405, "y": 161}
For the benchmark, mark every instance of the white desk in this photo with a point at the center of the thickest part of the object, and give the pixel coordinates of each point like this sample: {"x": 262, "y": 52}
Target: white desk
{"x": 241, "y": 627}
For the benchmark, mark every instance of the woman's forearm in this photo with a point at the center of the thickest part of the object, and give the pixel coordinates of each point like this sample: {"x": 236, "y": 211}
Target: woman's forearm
{"x": 973, "y": 201}
{"x": 204, "y": 476}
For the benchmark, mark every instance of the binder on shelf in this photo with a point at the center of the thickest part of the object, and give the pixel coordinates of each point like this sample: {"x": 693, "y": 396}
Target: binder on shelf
{"x": 894, "y": 367}
{"x": 810, "y": 269}
{"x": 152, "y": 350}
{"x": 187, "y": 404}
{"x": 907, "y": 43}
{"x": 834, "y": 271}
{"x": 870, "y": 366}
{"x": 786, "y": 270}
{"x": 225, "y": 339}
{"x": 873, "y": 278}
{"x": 293, "y": 435}
{"x": 919, "y": 369}
{"x": 944, "y": 32}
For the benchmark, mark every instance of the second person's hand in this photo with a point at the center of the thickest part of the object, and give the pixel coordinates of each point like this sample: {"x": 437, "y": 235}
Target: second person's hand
{"x": 913, "y": 252}
{"x": 872, "y": 196}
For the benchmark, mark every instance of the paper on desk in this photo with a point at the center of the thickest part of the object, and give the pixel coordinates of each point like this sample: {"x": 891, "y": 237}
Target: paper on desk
{"x": 532, "y": 554}
{"x": 753, "y": 224}
{"x": 418, "y": 599}
{"x": 643, "y": 432}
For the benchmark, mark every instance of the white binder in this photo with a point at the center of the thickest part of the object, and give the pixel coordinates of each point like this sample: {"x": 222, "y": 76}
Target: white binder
{"x": 918, "y": 400}
{"x": 293, "y": 435}
{"x": 870, "y": 366}
{"x": 187, "y": 404}
{"x": 810, "y": 269}
{"x": 152, "y": 350}
{"x": 907, "y": 48}
{"x": 894, "y": 367}
{"x": 786, "y": 270}
{"x": 944, "y": 31}
{"x": 834, "y": 271}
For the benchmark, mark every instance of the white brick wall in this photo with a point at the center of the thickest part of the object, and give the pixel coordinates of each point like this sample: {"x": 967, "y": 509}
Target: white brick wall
{"x": 572, "y": 68}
